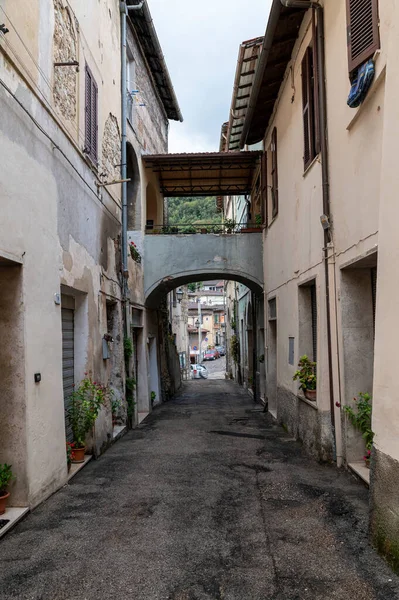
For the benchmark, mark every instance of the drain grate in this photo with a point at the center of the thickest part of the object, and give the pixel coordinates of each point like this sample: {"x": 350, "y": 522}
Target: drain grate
{"x": 3, "y": 522}
{"x": 241, "y": 435}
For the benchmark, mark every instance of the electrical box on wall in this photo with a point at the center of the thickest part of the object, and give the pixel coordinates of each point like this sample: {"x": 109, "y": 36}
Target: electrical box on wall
{"x": 106, "y": 352}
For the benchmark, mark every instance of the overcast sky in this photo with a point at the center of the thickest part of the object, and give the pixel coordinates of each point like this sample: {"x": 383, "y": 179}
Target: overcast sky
{"x": 200, "y": 42}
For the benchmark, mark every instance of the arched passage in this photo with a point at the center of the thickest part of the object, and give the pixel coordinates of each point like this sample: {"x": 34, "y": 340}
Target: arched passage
{"x": 174, "y": 260}
{"x": 133, "y": 191}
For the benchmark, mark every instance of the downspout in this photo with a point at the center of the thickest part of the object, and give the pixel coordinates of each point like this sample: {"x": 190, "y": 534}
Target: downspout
{"x": 326, "y": 203}
{"x": 125, "y": 272}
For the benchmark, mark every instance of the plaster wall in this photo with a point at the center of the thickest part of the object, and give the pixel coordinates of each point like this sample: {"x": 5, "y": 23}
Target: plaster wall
{"x": 63, "y": 229}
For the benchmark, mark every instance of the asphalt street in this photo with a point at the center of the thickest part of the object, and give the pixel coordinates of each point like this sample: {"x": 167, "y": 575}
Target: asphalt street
{"x": 207, "y": 499}
{"x": 216, "y": 368}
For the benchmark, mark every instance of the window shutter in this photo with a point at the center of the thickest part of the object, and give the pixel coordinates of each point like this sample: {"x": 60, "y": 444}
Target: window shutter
{"x": 315, "y": 83}
{"x": 88, "y": 110}
{"x": 264, "y": 188}
{"x": 274, "y": 172}
{"x": 91, "y": 116}
{"x": 308, "y": 108}
{"x": 363, "y": 33}
{"x": 374, "y": 293}
{"x": 94, "y": 121}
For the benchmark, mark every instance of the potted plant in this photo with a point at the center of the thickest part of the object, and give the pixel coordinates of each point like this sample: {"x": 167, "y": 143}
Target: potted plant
{"x": 5, "y": 477}
{"x": 70, "y": 455}
{"x": 134, "y": 253}
{"x": 361, "y": 420}
{"x": 306, "y": 374}
{"x": 85, "y": 404}
{"x": 229, "y": 225}
{"x": 204, "y": 230}
{"x": 253, "y": 228}
{"x": 115, "y": 404}
{"x": 153, "y": 398}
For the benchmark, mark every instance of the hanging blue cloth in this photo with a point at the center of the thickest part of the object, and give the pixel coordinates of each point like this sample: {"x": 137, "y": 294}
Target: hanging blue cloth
{"x": 361, "y": 84}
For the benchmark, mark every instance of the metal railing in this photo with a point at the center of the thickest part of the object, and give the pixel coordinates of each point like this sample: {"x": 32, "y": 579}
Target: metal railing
{"x": 216, "y": 228}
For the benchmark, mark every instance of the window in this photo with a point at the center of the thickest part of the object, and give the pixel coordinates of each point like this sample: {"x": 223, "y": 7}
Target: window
{"x": 274, "y": 174}
{"x": 363, "y": 33}
{"x": 216, "y": 319}
{"x": 91, "y": 116}
{"x": 264, "y": 188}
{"x": 309, "y": 103}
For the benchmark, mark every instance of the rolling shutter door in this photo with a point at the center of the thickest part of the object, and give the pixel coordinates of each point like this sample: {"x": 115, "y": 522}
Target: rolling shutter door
{"x": 68, "y": 378}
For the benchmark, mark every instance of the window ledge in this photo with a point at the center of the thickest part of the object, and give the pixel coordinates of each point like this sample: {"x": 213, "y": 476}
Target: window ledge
{"x": 372, "y": 91}
{"x": 361, "y": 471}
{"x": 306, "y": 401}
{"x": 309, "y": 168}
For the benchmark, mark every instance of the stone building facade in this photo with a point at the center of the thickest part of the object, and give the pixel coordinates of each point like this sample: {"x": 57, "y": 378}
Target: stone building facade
{"x": 61, "y": 280}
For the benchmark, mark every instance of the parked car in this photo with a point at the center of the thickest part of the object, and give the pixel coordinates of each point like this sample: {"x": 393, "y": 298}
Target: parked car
{"x": 198, "y": 372}
{"x": 221, "y": 350}
{"x": 211, "y": 355}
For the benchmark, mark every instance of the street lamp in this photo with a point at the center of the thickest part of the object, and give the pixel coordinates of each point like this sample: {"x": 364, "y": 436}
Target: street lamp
{"x": 179, "y": 295}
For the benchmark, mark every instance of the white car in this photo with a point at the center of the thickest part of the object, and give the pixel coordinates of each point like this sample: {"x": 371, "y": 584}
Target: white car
{"x": 198, "y": 372}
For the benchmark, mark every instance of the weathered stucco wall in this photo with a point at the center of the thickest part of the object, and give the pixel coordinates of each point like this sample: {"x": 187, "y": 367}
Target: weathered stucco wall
{"x": 64, "y": 231}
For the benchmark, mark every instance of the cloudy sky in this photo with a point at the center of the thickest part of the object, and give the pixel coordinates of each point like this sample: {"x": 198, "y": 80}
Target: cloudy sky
{"x": 200, "y": 42}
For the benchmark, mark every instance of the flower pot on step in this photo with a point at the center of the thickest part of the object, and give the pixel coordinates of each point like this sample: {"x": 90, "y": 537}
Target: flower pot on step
{"x": 3, "y": 503}
{"x": 79, "y": 455}
{"x": 311, "y": 395}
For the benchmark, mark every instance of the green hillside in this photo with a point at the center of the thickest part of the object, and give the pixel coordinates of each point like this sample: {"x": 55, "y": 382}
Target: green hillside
{"x": 189, "y": 211}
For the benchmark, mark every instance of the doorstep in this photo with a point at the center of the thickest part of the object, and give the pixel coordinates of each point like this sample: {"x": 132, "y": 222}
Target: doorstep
{"x": 361, "y": 471}
{"x": 76, "y": 467}
{"x": 118, "y": 431}
{"x": 141, "y": 416}
{"x": 12, "y": 515}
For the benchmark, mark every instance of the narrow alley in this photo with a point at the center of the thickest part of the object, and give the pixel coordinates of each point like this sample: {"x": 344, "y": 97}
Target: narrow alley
{"x": 207, "y": 499}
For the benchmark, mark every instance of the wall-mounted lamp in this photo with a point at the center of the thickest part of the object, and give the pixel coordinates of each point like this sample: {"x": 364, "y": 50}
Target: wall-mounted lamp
{"x": 4, "y": 29}
{"x": 179, "y": 295}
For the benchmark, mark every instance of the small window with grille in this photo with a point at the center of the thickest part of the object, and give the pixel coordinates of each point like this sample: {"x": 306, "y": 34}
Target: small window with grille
{"x": 308, "y": 330}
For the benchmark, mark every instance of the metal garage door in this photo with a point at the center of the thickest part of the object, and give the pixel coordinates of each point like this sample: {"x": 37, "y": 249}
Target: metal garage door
{"x": 67, "y": 361}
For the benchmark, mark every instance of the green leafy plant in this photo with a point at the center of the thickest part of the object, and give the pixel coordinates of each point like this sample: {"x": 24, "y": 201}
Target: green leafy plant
{"x": 128, "y": 348}
{"x": 70, "y": 452}
{"x": 153, "y": 397}
{"x": 6, "y": 475}
{"x": 217, "y": 229}
{"x": 85, "y": 404}
{"x": 229, "y": 224}
{"x": 189, "y": 229}
{"x": 115, "y": 404}
{"x": 235, "y": 348}
{"x": 134, "y": 253}
{"x": 258, "y": 220}
{"x": 306, "y": 374}
{"x": 361, "y": 419}
{"x": 130, "y": 387}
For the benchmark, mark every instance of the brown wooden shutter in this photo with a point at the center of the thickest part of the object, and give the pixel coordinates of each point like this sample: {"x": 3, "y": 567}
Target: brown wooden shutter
{"x": 308, "y": 108}
{"x": 363, "y": 34}
{"x": 91, "y": 116}
{"x": 88, "y": 110}
{"x": 316, "y": 81}
{"x": 94, "y": 121}
{"x": 264, "y": 188}
{"x": 274, "y": 173}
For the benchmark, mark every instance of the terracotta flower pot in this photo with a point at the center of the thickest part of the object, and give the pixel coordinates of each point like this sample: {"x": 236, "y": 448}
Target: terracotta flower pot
{"x": 311, "y": 395}
{"x": 367, "y": 461}
{"x": 78, "y": 455}
{"x": 3, "y": 502}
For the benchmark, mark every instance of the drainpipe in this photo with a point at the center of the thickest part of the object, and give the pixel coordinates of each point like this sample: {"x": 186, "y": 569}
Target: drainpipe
{"x": 328, "y": 243}
{"x": 124, "y": 12}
